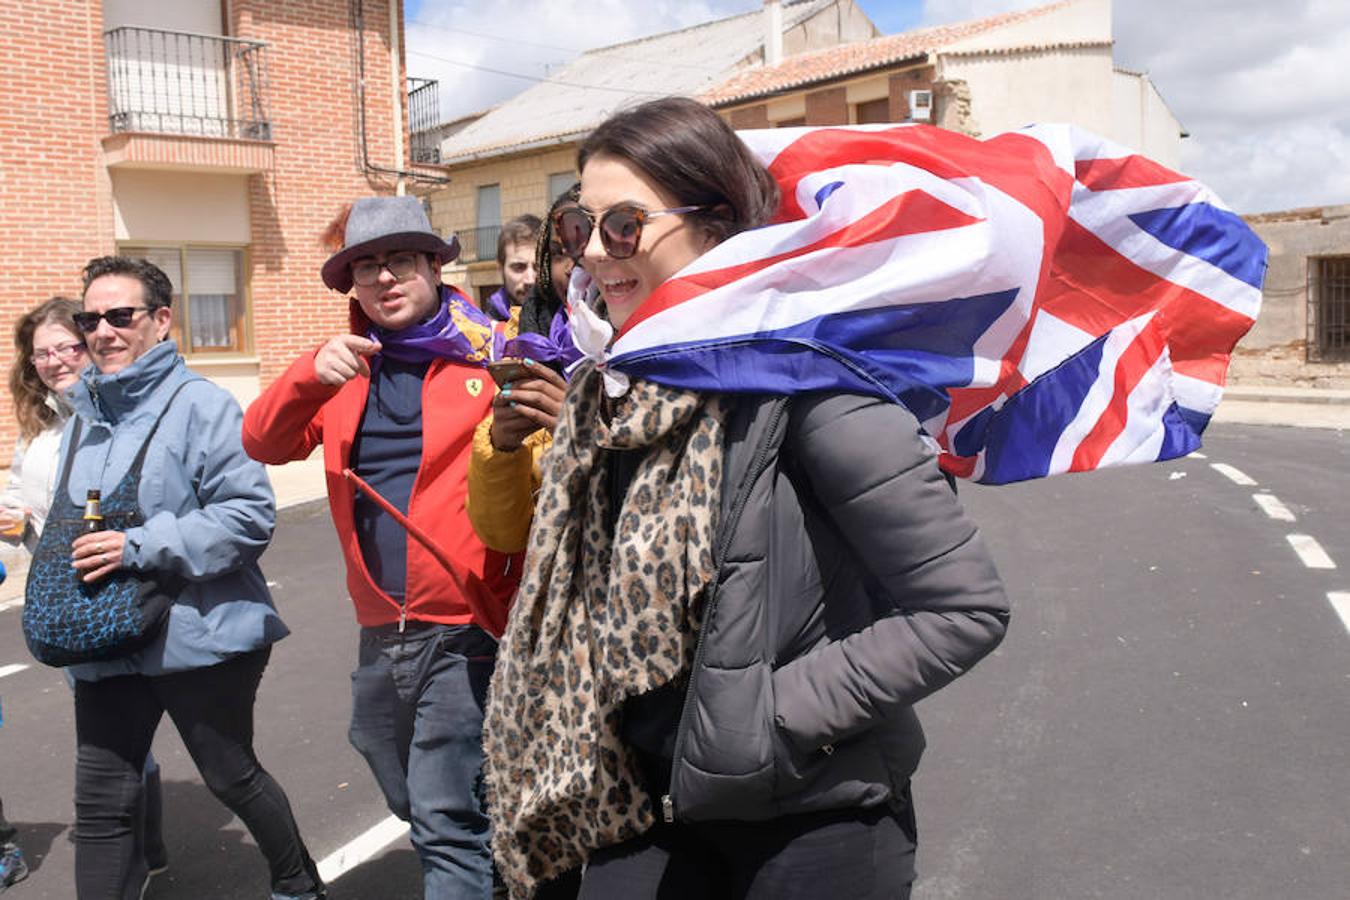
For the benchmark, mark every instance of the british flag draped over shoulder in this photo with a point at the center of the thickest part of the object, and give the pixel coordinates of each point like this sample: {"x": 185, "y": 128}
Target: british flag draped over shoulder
{"x": 1044, "y": 301}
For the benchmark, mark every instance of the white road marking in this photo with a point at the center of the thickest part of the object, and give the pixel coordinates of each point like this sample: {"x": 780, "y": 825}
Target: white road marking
{"x": 12, "y": 669}
{"x": 1237, "y": 476}
{"x": 1271, "y": 506}
{"x": 1309, "y": 551}
{"x": 1196, "y": 455}
{"x": 362, "y": 848}
{"x": 1340, "y": 601}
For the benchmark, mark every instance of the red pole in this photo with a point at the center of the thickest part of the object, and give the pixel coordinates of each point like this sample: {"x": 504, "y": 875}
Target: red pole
{"x": 494, "y": 621}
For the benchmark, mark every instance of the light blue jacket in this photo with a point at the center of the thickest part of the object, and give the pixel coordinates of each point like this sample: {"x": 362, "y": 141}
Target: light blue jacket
{"x": 208, "y": 508}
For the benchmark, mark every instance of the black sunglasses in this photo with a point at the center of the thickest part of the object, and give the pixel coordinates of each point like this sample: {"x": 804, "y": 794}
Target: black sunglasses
{"x": 620, "y": 227}
{"x": 118, "y": 317}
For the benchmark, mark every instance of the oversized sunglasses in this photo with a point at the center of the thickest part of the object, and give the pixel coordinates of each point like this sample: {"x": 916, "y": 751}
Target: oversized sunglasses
{"x": 367, "y": 271}
{"x": 620, "y": 227}
{"x": 118, "y": 317}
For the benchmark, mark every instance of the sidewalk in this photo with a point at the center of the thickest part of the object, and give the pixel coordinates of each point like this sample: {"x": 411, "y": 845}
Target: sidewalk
{"x": 1297, "y": 407}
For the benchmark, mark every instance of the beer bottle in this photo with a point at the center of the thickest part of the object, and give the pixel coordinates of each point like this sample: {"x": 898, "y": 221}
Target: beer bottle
{"x": 93, "y": 514}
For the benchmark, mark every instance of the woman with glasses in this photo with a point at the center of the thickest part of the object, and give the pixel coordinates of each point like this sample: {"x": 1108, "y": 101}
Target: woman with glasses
{"x": 157, "y": 439}
{"x": 730, "y": 603}
{"x": 49, "y": 354}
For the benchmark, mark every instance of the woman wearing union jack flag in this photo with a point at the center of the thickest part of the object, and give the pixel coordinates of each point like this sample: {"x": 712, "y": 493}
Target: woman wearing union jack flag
{"x": 731, "y": 601}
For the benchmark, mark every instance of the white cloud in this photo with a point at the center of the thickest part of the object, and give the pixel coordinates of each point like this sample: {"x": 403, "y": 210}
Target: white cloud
{"x": 454, "y": 42}
{"x": 943, "y": 12}
{"x": 1260, "y": 86}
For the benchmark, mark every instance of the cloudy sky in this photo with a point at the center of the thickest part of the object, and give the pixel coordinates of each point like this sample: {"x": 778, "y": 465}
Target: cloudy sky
{"x": 1263, "y": 88}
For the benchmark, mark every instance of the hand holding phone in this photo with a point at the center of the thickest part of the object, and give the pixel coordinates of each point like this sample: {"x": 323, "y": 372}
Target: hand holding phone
{"x": 505, "y": 371}
{"x": 531, "y": 398}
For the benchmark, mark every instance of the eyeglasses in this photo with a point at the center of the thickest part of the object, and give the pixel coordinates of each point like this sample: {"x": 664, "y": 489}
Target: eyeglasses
{"x": 366, "y": 272}
{"x": 118, "y": 317}
{"x": 620, "y": 227}
{"x": 63, "y": 353}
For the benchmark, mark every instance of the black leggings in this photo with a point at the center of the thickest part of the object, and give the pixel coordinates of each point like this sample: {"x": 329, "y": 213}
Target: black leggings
{"x": 212, "y": 708}
{"x": 845, "y": 855}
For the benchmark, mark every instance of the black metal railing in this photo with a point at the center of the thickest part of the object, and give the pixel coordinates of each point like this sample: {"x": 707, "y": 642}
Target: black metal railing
{"x": 424, "y": 102}
{"x": 1329, "y": 310}
{"x": 478, "y": 243}
{"x": 176, "y": 82}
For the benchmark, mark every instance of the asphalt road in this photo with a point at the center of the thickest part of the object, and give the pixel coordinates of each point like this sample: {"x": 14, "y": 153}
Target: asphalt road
{"x": 1167, "y": 718}
{"x": 1168, "y": 715}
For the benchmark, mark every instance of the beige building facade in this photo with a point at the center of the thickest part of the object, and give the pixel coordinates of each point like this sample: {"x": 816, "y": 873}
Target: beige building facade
{"x": 1302, "y": 337}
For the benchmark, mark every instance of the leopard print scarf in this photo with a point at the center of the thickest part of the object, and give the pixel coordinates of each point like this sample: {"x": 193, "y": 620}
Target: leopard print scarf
{"x": 599, "y": 618}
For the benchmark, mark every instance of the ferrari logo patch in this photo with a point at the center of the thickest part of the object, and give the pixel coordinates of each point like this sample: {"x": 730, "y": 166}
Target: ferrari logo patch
{"x": 475, "y": 386}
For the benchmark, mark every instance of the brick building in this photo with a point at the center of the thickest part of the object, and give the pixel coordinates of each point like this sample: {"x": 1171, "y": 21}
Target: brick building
{"x": 801, "y": 62}
{"x": 217, "y": 138}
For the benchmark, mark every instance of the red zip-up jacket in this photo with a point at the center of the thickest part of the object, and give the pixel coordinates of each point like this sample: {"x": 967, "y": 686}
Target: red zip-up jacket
{"x": 298, "y": 412}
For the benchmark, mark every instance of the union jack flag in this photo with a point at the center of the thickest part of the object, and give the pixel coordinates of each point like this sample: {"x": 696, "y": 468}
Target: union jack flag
{"x": 1044, "y": 301}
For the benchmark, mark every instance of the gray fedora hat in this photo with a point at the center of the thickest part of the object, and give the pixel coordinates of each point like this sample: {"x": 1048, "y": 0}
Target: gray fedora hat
{"x": 377, "y": 224}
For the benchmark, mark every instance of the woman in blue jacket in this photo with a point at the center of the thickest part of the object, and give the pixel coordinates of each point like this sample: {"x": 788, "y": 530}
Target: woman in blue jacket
{"x": 208, "y": 515}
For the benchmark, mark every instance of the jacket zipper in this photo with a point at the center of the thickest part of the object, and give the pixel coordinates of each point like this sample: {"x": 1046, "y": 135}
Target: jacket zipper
{"x": 757, "y": 466}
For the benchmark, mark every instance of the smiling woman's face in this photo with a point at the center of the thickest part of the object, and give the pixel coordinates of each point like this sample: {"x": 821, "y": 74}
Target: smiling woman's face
{"x": 668, "y": 243}
{"x": 62, "y": 353}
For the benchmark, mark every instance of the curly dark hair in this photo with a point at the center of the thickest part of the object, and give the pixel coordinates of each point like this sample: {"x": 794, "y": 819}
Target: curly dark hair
{"x": 25, "y": 385}
{"x": 158, "y": 288}
{"x": 542, "y": 303}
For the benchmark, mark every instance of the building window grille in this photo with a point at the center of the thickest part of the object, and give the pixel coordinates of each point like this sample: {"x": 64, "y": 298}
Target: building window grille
{"x": 1329, "y": 310}
{"x": 482, "y": 241}
{"x": 210, "y": 297}
{"x": 172, "y": 82}
{"x": 423, "y": 116}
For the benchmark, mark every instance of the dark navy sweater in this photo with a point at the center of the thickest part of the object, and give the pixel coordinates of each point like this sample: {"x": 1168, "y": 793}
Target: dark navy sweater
{"x": 386, "y": 454}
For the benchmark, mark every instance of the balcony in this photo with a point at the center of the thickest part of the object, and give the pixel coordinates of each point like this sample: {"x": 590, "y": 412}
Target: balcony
{"x": 423, "y": 116}
{"x": 187, "y": 101}
{"x": 477, "y": 244}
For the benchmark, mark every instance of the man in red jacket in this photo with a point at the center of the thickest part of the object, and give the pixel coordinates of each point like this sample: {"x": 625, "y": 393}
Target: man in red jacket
{"x": 396, "y": 401}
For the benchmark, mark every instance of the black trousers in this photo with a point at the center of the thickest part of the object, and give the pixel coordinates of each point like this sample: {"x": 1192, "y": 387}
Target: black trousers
{"x": 212, "y": 708}
{"x": 841, "y": 855}
{"x": 7, "y": 831}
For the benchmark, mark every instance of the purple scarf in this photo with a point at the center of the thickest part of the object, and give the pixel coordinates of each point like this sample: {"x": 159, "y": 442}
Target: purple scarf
{"x": 499, "y": 305}
{"x": 458, "y": 331}
{"x": 554, "y": 347}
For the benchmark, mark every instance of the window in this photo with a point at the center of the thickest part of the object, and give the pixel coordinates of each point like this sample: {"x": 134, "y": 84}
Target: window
{"x": 559, "y": 182}
{"x": 487, "y": 223}
{"x": 1329, "y": 310}
{"x": 873, "y": 112}
{"x": 209, "y": 295}
{"x": 795, "y": 122}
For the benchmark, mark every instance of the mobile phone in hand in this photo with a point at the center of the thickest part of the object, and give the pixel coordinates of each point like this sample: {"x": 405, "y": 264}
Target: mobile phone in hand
{"x": 505, "y": 371}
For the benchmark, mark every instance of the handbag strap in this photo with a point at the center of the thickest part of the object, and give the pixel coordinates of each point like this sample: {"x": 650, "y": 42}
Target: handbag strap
{"x": 63, "y": 487}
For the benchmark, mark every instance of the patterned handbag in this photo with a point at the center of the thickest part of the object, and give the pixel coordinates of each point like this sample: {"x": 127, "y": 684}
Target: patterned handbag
{"x": 65, "y": 620}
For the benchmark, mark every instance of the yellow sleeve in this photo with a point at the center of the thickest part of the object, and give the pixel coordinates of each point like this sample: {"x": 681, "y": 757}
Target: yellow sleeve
{"x": 502, "y": 488}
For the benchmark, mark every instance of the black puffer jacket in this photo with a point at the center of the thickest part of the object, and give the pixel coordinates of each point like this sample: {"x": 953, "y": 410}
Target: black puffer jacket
{"x": 850, "y": 586}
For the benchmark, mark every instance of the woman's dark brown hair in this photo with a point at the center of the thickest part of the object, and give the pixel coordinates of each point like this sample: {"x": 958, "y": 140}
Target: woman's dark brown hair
{"x": 693, "y": 155}
{"x": 25, "y": 386}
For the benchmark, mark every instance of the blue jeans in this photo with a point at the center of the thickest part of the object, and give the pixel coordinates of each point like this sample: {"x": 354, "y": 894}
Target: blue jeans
{"x": 417, "y": 718}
